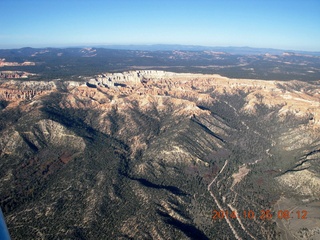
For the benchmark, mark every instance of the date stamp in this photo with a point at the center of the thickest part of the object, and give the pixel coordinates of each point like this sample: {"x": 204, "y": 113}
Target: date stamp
{"x": 262, "y": 215}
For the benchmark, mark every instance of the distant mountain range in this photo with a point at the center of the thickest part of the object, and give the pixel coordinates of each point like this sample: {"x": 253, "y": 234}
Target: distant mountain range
{"x": 232, "y": 50}
{"x": 178, "y": 47}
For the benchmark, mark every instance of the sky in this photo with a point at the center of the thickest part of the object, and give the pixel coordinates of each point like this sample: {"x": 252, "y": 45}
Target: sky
{"x": 281, "y": 24}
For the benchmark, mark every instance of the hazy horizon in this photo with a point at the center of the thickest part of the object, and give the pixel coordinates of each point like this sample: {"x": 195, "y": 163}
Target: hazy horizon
{"x": 288, "y": 25}
{"x": 159, "y": 47}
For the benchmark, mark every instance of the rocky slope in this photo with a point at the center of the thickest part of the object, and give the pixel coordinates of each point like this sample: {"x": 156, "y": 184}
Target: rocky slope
{"x": 151, "y": 155}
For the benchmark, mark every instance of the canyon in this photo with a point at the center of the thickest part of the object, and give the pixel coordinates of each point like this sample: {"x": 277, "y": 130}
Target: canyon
{"x": 149, "y": 154}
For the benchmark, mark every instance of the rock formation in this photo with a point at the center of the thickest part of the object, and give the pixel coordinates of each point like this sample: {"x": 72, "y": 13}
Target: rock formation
{"x": 110, "y": 157}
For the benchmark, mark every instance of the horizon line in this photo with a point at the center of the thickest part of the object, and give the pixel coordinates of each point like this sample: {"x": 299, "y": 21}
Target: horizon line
{"x": 122, "y": 47}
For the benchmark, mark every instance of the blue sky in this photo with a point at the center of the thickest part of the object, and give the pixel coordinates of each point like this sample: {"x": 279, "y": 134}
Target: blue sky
{"x": 284, "y": 24}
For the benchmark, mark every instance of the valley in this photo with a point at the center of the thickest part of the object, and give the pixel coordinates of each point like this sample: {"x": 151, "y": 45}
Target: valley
{"x": 150, "y": 154}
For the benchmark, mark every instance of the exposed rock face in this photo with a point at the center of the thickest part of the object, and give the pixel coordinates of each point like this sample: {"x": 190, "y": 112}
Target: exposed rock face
{"x": 297, "y": 98}
{"x": 48, "y": 132}
{"x": 16, "y": 91}
{"x": 4, "y": 63}
{"x": 302, "y": 182}
{"x": 111, "y": 157}
{"x": 112, "y": 79}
